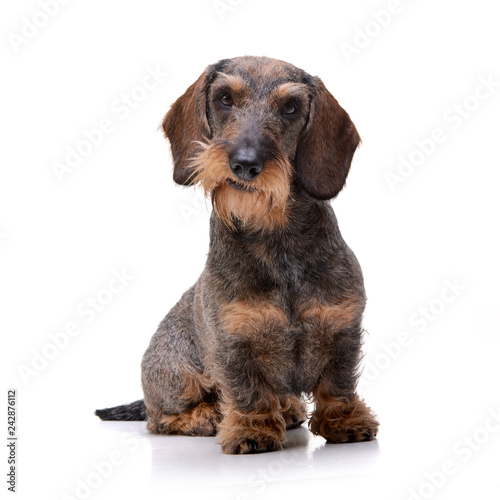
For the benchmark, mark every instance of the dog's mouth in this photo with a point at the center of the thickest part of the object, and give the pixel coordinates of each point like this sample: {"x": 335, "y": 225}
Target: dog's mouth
{"x": 241, "y": 186}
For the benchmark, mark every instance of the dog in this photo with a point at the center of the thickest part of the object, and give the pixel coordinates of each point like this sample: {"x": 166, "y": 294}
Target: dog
{"x": 276, "y": 315}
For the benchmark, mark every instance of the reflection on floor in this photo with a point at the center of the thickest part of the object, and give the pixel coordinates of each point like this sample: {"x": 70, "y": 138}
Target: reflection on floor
{"x": 180, "y": 462}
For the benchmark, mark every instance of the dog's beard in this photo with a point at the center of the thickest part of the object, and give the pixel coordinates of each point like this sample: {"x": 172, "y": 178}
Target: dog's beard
{"x": 260, "y": 203}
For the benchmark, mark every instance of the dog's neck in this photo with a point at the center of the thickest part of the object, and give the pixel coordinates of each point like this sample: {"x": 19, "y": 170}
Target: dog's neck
{"x": 281, "y": 257}
{"x": 307, "y": 219}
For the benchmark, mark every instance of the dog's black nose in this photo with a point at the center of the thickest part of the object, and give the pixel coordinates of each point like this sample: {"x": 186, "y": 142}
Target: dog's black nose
{"x": 246, "y": 164}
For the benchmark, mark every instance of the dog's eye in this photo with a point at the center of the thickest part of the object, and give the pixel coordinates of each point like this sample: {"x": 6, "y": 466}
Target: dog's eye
{"x": 289, "y": 108}
{"x": 226, "y": 99}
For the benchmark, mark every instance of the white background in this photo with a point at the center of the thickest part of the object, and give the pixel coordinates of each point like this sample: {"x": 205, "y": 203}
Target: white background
{"x": 60, "y": 241}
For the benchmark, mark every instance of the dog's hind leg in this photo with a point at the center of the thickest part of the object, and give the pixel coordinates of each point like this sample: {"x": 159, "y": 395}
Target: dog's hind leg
{"x": 200, "y": 420}
{"x": 195, "y": 411}
{"x": 179, "y": 397}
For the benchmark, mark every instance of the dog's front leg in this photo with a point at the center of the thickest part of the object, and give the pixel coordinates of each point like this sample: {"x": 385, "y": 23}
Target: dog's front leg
{"x": 255, "y": 430}
{"x": 251, "y": 358}
{"x": 340, "y": 415}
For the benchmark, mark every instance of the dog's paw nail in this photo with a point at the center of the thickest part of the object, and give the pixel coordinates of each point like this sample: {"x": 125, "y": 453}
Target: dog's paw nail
{"x": 252, "y": 444}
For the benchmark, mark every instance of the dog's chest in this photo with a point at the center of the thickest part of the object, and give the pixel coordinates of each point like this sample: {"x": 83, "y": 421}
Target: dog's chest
{"x": 283, "y": 302}
{"x": 289, "y": 340}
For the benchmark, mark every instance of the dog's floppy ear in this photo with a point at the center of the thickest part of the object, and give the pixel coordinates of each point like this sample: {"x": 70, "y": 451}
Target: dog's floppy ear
{"x": 184, "y": 124}
{"x": 327, "y": 145}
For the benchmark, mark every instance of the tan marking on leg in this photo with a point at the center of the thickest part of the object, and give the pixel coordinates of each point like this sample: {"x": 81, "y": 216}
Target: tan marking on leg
{"x": 201, "y": 420}
{"x": 253, "y": 432}
{"x": 199, "y": 416}
{"x": 259, "y": 328}
{"x": 336, "y": 316}
{"x": 294, "y": 411}
{"x": 251, "y": 317}
{"x": 342, "y": 420}
{"x": 196, "y": 388}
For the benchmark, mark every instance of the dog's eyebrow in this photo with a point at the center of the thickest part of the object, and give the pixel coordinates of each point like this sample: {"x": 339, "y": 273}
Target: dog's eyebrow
{"x": 291, "y": 89}
{"x": 234, "y": 82}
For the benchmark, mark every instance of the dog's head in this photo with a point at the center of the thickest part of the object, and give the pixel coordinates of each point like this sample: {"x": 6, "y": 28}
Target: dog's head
{"x": 251, "y": 126}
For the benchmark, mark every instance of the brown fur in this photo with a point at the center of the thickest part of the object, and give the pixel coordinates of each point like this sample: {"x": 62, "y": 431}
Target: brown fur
{"x": 294, "y": 411}
{"x": 263, "y": 203}
{"x": 251, "y": 319}
{"x": 262, "y": 429}
{"x": 195, "y": 126}
{"x": 335, "y": 317}
{"x": 235, "y": 83}
{"x": 341, "y": 419}
{"x": 330, "y": 125}
{"x": 288, "y": 90}
{"x": 197, "y": 387}
{"x": 201, "y": 420}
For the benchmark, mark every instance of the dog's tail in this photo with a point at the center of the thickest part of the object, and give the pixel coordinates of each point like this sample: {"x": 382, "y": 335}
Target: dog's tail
{"x": 132, "y": 411}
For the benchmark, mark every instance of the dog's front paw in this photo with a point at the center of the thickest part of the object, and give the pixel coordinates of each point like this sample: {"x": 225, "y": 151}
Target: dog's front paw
{"x": 343, "y": 421}
{"x": 254, "y": 444}
{"x": 335, "y": 433}
{"x": 241, "y": 433}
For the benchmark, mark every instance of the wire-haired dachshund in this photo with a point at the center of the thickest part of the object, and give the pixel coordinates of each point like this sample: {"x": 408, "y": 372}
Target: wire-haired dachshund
{"x": 276, "y": 314}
